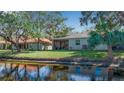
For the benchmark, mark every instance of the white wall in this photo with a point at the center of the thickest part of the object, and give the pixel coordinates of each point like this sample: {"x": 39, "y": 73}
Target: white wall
{"x": 1, "y": 46}
{"x": 101, "y": 47}
{"x": 49, "y": 47}
{"x": 73, "y": 46}
{"x": 33, "y": 46}
{"x": 83, "y": 41}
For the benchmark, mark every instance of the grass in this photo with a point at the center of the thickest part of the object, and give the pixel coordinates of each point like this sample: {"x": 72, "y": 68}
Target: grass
{"x": 60, "y": 54}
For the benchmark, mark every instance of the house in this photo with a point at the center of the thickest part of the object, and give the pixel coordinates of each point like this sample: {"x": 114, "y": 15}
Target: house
{"x": 4, "y": 45}
{"x": 36, "y": 44}
{"x": 29, "y": 44}
{"x": 77, "y": 41}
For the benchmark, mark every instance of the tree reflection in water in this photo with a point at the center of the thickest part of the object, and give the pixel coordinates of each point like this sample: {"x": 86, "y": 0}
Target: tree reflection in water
{"x": 18, "y": 72}
{"x": 21, "y": 72}
{"x": 61, "y": 76}
{"x": 32, "y": 75}
{"x": 2, "y": 71}
{"x": 44, "y": 72}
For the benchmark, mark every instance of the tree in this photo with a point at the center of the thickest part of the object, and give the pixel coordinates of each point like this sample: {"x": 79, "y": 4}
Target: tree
{"x": 108, "y": 28}
{"x": 13, "y": 26}
{"x": 49, "y": 24}
{"x": 55, "y": 26}
{"x": 38, "y": 22}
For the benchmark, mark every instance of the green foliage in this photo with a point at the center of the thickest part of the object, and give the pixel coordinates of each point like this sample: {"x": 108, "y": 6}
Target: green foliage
{"x": 14, "y": 25}
{"x": 95, "y": 39}
{"x": 107, "y": 29}
{"x": 23, "y": 24}
{"x": 49, "y": 24}
{"x": 114, "y": 17}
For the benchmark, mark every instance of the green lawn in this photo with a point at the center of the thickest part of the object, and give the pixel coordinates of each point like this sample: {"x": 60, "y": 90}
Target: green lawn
{"x": 59, "y": 54}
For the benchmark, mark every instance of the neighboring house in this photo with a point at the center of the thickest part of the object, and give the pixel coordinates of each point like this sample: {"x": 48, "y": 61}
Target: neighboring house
{"x": 76, "y": 41}
{"x": 36, "y": 44}
{"x": 4, "y": 45}
{"x": 30, "y": 44}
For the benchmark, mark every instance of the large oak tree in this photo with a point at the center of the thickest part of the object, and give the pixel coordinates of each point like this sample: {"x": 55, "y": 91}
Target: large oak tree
{"x": 13, "y": 26}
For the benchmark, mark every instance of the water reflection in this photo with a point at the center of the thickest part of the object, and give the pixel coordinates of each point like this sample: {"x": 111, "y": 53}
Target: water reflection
{"x": 21, "y": 72}
{"x": 76, "y": 77}
{"x": 2, "y": 70}
{"x": 50, "y": 72}
{"x": 44, "y": 72}
{"x": 77, "y": 70}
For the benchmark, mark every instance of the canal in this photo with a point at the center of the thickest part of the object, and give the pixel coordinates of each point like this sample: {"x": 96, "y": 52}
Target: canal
{"x": 22, "y": 71}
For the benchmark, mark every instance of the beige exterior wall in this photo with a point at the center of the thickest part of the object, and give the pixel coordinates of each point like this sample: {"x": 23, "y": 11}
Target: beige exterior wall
{"x": 73, "y": 46}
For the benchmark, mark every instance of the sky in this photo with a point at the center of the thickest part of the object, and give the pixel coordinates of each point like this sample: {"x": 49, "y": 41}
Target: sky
{"x": 73, "y": 20}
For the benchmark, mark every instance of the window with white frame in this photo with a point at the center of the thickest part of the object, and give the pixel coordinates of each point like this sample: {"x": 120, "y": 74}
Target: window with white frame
{"x": 77, "y": 42}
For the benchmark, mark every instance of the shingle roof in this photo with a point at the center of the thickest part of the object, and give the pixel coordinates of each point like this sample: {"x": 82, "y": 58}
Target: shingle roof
{"x": 76, "y": 35}
{"x": 41, "y": 40}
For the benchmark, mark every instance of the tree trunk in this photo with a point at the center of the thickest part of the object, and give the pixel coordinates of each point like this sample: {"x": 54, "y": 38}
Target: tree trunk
{"x": 38, "y": 45}
{"x": 25, "y": 44}
{"x": 17, "y": 47}
{"x": 110, "y": 53}
{"x": 12, "y": 47}
{"x": 6, "y": 44}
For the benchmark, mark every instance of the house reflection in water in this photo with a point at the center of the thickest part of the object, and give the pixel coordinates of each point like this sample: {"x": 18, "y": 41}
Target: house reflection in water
{"x": 87, "y": 73}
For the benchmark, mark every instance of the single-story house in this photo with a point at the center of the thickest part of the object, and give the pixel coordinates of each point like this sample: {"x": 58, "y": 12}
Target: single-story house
{"x": 29, "y": 44}
{"x": 4, "y": 45}
{"x": 77, "y": 41}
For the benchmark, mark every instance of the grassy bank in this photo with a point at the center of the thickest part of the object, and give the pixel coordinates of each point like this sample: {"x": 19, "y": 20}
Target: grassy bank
{"x": 59, "y": 54}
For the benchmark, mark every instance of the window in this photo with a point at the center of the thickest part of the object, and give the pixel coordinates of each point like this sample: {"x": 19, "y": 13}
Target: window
{"x": 77, "y": 42}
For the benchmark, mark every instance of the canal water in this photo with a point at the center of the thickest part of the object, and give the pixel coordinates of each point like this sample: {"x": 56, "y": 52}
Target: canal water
{"x": 55, "y": 72}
